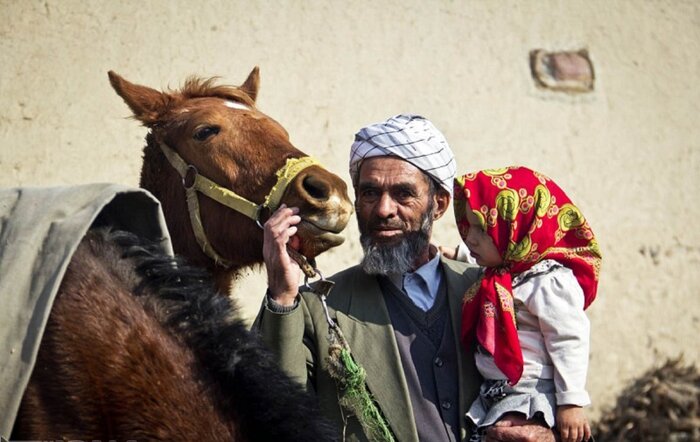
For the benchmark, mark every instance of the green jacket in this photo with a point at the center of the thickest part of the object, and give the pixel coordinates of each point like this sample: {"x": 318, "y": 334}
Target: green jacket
{"x": 357, "y": 304}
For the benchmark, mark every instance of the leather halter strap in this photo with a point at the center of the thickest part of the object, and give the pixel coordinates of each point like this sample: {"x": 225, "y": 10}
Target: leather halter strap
{"x": 193, "y": 182}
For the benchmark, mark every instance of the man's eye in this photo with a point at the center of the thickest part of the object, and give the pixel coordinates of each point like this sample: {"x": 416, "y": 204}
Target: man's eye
{"x": 403, "y": 195}
{"x": 369, "y": 193}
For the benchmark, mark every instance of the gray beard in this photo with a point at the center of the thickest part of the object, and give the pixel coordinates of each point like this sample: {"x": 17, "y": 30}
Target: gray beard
{"x": 399, "y": 258}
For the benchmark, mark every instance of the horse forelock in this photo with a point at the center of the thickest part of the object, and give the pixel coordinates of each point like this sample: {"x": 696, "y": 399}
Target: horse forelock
{"x": 196, "y": 87}
{"x": 178, "y": 105}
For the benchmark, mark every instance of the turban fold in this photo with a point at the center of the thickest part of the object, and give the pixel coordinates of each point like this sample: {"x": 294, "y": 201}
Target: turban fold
{"x": 411, "y": 138}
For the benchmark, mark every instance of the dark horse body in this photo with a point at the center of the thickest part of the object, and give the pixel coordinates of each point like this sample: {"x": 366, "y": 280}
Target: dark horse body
{"x": 158, "y": 356}
{"x": 140, "y": 346}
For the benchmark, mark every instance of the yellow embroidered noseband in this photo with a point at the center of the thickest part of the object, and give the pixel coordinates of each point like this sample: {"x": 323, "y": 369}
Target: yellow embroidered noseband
{"x": 193, "y": 182}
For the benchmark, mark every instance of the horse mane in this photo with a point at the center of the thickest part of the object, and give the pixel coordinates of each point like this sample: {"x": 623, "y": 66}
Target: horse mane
{"x": 245, "y": 373}
{"x": 196, "y": 87}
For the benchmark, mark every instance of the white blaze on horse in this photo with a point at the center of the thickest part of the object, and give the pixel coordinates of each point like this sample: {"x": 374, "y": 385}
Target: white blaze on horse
{"x": 139, "y": 345}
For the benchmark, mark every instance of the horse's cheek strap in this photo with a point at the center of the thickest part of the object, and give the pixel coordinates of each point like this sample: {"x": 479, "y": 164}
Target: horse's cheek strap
{"x": 226, "y": 197}
{"x": 198, "y": 228}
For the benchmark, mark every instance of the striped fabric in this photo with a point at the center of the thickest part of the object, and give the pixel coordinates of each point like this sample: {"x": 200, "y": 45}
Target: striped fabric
{"x": 409, "y": 137}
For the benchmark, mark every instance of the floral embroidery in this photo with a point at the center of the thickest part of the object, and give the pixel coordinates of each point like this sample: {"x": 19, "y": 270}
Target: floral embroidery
{"x": 507, "y": 202}
{"x": 471, "y": 291}
{"x": 569, "y": 217}
{"x": 542, "y": 199}
{"x": 489, "y": 309}
{"x": 506, "y": 300}
{"x": 519, "y": 251}
{"x": 495, "y": 172}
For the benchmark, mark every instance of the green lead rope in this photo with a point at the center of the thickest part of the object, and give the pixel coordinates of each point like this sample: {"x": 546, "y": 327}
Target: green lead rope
{"x": 355, "y": 397}
{"x": 342, "y": 367}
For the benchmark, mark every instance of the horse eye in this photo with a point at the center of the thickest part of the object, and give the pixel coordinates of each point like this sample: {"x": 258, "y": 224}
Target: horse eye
{"x": 205, "y": 132}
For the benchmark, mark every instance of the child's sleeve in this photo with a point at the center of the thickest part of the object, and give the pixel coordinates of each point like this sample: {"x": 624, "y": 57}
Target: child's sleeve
{"x": 462, "y": 254}
{"x": 558, "y": 304}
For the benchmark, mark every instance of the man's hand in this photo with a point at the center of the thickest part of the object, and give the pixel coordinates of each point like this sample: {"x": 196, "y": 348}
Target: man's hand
{"x": 515, "y": 428}
{"x": 282, "y": 272}
{"x": 572, "y": 423}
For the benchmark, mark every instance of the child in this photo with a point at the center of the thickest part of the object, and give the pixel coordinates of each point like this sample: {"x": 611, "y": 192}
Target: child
{"x": 541, "y": 271}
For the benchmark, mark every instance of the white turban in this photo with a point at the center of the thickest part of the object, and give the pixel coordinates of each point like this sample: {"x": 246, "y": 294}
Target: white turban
{"x": 411, "y": 138}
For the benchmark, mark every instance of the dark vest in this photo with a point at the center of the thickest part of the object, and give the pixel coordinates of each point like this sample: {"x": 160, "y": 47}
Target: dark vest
{"x": 428, "y": 356}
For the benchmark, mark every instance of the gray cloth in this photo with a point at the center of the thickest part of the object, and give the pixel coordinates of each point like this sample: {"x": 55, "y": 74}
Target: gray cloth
{"x": 534, "y": 398}
{"x": 40, "y": 229}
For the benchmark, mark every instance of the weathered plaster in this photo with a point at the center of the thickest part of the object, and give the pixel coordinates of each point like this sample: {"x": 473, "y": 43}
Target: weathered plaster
{"x": 628, "y": 153}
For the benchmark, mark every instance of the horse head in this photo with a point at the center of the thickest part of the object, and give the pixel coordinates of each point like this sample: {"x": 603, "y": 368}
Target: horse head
{"x": 210, "y": 150}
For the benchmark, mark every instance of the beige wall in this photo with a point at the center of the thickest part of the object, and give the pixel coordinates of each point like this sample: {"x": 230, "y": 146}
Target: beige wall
{"x": 628, "y": 153}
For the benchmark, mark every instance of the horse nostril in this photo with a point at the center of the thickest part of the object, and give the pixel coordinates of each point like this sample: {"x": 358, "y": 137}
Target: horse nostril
{"x": 316, "y": 188}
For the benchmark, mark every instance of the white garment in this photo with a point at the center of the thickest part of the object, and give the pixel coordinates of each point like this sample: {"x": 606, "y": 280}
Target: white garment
{"x": 553, "y": 331}
{"x": 462, "y": 254}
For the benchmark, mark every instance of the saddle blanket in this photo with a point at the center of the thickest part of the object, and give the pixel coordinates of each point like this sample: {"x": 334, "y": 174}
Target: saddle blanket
{"x": 40, "y": 229}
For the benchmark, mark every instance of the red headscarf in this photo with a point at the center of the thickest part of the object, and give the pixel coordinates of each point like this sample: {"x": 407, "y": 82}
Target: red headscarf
{"x": 530, "y": 219}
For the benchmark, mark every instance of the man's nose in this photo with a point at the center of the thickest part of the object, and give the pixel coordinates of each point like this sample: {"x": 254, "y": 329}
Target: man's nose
{"x": 386, "y": 206}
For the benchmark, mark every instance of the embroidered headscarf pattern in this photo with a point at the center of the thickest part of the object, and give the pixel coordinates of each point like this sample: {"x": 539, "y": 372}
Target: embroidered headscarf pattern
{"x": 529, "y": 219}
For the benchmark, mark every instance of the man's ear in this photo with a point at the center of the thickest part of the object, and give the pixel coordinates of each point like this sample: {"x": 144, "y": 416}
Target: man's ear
{"x": 442, "y": 202}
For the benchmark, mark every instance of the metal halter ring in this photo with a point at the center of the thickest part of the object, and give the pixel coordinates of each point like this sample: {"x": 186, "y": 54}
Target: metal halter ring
{"x": 258, "y": 214}
{"x": 192, "y": 172}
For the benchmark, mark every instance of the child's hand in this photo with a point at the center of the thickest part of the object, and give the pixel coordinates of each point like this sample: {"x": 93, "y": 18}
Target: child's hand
{"x": 572, "y": 423}
{"x": 448, "y": 252}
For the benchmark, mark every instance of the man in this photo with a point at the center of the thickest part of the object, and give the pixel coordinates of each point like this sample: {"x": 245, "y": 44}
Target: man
{"x": 399, "y": 309}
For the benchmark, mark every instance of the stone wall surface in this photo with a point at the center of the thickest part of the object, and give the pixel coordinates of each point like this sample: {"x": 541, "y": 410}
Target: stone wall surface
{"x": 627, "y": 153}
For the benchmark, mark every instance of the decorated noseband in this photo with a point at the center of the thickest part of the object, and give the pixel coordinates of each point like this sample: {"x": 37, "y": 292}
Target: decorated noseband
{"x": 193, "y": 182}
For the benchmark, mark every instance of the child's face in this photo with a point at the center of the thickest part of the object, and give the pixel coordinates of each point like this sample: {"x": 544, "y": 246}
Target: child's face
{"x": 480, "y": 243}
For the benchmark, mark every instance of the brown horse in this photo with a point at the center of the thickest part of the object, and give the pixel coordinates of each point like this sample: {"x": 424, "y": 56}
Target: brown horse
{"x": 219, "y": 131}
{"x": 139, "y": 346}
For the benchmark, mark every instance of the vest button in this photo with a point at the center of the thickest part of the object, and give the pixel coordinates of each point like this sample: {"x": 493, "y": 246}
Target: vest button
{"x": 438, "y": 361}
{"x": 446, "y": 405}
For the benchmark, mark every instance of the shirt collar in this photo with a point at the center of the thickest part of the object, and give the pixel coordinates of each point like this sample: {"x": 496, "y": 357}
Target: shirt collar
{"x": 431, "y": 276}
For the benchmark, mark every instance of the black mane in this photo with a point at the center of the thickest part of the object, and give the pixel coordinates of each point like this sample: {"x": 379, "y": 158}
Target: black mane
{"x": 271, "y": 406}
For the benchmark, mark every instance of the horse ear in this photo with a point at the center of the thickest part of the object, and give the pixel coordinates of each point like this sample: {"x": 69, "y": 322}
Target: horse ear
{"x": 252, "y": 83}
{"x": 147, "y": 104}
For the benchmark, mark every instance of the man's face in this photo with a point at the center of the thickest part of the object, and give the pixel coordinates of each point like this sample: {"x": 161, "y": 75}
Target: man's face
{"x": 395, "y": 212}
{"x": 392, "y": 199}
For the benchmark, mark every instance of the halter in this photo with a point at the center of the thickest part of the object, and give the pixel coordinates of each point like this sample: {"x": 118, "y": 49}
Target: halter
{"x": 193, "y": 182}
